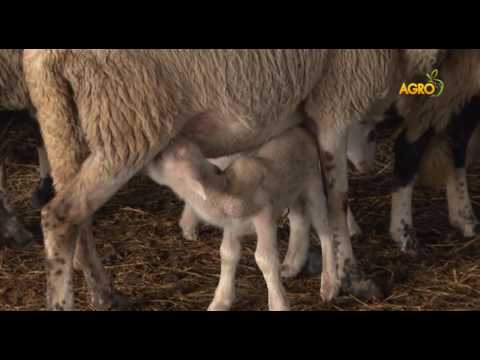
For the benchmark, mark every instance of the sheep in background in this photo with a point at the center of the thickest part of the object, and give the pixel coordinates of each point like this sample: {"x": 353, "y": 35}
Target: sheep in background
{"x": 15, "y": 101}
{"x": 454, "y": 114}
{"x": 445, "y": 163}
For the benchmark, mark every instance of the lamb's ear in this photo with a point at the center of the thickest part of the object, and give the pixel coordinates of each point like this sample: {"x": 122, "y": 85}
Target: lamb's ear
{"x": 199, "y": 189}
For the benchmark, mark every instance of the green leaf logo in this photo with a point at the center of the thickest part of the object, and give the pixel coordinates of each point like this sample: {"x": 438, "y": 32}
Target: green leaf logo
{"x": 439, "y": 84}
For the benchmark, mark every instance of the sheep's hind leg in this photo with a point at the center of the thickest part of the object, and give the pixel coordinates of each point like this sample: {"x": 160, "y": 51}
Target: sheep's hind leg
{"x": 103, "y": 295}
{"x": 314, "y": 256}
{"x": 342, "y": 274}
{"x": 69, "y": 212}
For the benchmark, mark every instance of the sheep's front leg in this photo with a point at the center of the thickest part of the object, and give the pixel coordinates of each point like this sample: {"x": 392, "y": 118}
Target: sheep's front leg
{"x": 266, "y": 256}
{"x": 230, "y": 256}
{"x": 343, "y": 274}
{"x": 407, "y": 160}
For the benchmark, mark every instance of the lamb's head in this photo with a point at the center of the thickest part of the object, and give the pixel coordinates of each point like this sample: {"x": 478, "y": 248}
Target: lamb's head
{"x": 184, "y": 168}
{"x": 362, "y": 146}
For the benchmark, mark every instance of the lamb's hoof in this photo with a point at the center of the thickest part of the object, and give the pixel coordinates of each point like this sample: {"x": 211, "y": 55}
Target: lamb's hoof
{"x": 280, "y": 307}
{"x": 288, "y": 271}
{"x": 355, "y": 230}
{"x": 190, "y": 235}
{"x": 313, "y": 265}
{"x": 220, "y": 306}
{"x": 43, "y": 194}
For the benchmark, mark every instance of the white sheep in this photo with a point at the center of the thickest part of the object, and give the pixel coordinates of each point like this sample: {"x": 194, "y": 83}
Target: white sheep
{"x": 106, "y": 114}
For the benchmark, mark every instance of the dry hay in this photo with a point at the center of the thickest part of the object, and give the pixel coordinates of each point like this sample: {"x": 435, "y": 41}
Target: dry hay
{"x": 144, "y": 252}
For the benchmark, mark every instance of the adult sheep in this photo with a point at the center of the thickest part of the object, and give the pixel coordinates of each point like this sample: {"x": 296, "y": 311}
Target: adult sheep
{"x": 105, "y": 114}
{"x": 423, "y": 149}
{"x": 15, "y": 102}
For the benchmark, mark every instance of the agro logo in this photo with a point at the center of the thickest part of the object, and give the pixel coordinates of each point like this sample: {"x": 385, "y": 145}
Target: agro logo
{"x": 434, "y": 87}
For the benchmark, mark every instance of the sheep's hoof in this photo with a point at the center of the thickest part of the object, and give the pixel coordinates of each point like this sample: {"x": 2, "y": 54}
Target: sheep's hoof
{"x": 43, "y": 194}
{"x": 468, "y": 230}
{"x": 411, "y": 247}
{"x": 353, "y": 282}
{"x": 115, "y": 301}
{"x": 365, "y": 289}
{"x": 330, "y": 288}
{"x": 407, "y": 241}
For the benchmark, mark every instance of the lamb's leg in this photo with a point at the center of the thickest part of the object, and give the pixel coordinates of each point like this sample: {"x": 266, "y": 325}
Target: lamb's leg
{"x": 460, "y": 131}
{"x": 230, "y": 252}
{"x": 353, "y": 228}
{"x": 45, "y": 191}
{"x": 189, "y": 223}
{"x": 266, "y": 256}
{"x": 298, "y": 242}
{"x": 72, "y": 207}
{"x": 318, "y": 213}
{"x": 407, "y": 159}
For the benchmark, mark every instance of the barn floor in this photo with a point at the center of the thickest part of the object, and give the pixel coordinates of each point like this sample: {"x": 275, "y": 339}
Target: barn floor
{"x": 144, "y": 252}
